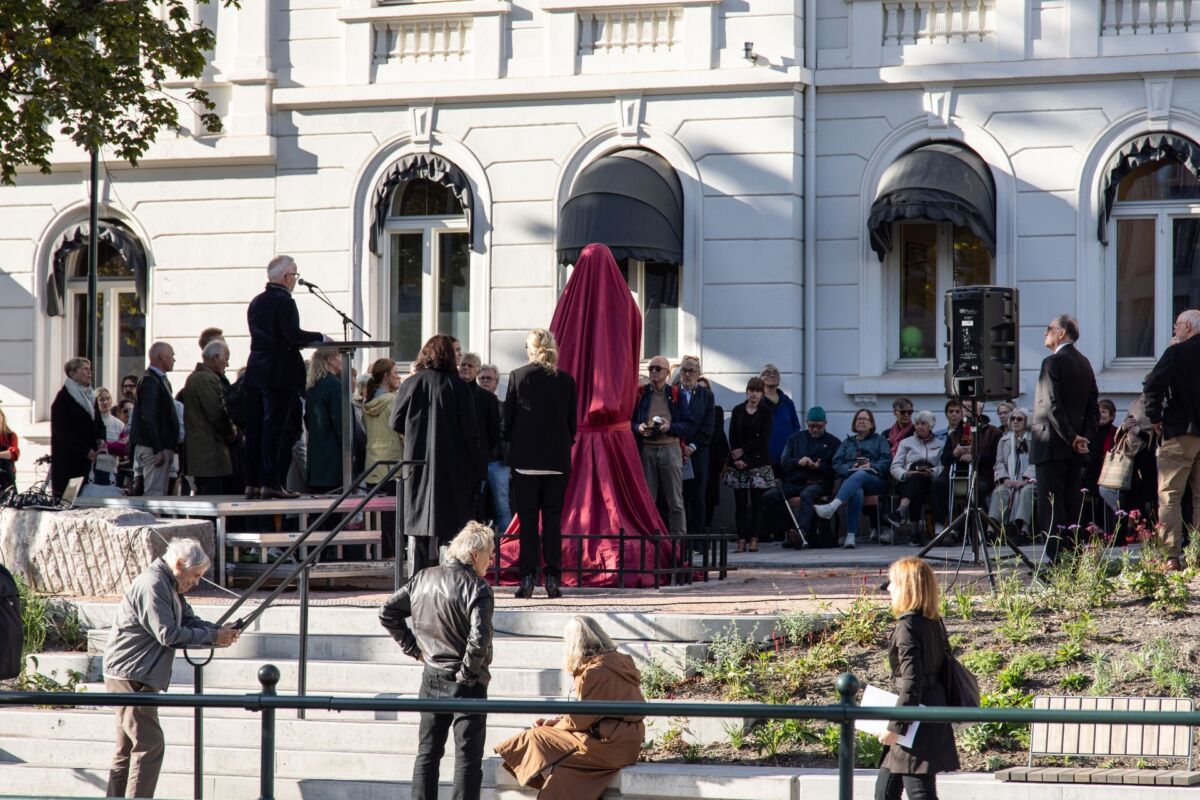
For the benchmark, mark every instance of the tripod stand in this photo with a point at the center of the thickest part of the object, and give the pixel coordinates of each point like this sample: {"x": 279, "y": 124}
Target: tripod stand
{"x": 975, "y": 523}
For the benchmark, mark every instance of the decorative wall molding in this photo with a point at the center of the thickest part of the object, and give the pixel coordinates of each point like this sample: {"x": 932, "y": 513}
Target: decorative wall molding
{"x": 939, "y": 105}
{"x": 1158, "y": 98}
{"x": 629, "y": 115}
{"x": 421, "y": 119}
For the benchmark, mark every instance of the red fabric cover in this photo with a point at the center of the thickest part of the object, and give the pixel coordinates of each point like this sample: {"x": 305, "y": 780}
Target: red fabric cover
{"x": 599, "y": 333}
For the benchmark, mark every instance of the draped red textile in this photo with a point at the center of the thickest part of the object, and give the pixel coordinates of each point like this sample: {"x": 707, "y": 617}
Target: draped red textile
{"x": 599, "y": 332}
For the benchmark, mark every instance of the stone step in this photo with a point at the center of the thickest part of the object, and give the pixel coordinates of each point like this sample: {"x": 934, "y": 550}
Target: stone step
{"x": 241, "y": 675}
{"x": 364, "y": 621}
{"x": 507, "y": 651}
{"x": 28, "y": 781}
{"x": 309, "y": 763}
{"x": 51, "y": 726}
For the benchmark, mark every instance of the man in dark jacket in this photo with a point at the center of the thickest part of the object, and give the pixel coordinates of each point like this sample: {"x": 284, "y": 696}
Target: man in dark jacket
{"x": 1065, "y": 416}
{"x": 451, "y": 635}
{"x": 275, "y": 378}
{"x": 701, "y": 404}
{"x": 1172, "y": 396}
{"x": 154, "y": 429}
{"x": 982, "y": 445}
{"x": 661, "y": 420}
{"x": 807, "y": 465}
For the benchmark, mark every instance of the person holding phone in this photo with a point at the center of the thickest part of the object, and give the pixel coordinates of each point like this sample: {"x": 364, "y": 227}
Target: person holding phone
{"x": 916, "y": 464}
{"x": 862, "y": 461}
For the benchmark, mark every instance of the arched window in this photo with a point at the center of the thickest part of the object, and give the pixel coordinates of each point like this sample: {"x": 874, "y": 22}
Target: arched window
{"x": 1154, "y": 263}
{"x": 120, "y": 305}
{"x": 427, "y": 247}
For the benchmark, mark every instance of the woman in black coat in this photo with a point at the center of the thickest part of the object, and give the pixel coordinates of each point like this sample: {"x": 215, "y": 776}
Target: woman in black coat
{"x": 539, "y": 426}
{"x": 750, "y": 474}
{"x": 916, "y": 654}
{"x": 76, "y": 430}
{"x": 435, "y": 410}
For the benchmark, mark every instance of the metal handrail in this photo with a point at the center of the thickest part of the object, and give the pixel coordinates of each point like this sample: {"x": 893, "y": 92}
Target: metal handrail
{"x": 844, "y": 713}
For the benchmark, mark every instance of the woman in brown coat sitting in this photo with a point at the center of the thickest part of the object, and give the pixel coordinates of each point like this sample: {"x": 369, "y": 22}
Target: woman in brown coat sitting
{"x": 916, "y": 654}
{"x": 576, "y": 755}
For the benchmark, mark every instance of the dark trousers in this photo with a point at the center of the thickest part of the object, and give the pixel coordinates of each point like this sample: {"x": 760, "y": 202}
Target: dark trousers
{"x": 534, "y": 496}
{"x": 917, "y": 787}
{"x": 1058, "y": 503}
{"x": 469, "y": 731}
{"x": 695, "y": 491}
{"x": 387, "y": 519}
{"x": 268, "y": 445}
{"x": 748, "y": 507}
{"x": 209, "y": 486}
{"x": 777, "y": 516}
{"x": 916, "y": 489}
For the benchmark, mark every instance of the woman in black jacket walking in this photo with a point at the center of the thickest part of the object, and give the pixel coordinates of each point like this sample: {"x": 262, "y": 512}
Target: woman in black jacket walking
{"x": 916, "y": 654}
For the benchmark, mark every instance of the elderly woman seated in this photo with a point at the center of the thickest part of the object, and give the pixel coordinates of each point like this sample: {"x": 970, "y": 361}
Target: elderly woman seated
{"x": 1012, "y": 499}
{"x": 916, "y": 463}
{"x": 576, "y": 755}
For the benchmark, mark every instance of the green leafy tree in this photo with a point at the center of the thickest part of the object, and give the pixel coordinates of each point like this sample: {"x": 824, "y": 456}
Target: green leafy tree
{"x": 95, "y": 70}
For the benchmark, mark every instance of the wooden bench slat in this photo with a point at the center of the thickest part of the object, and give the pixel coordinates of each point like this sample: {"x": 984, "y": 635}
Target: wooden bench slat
{"x": 1011, "y": 774}
{"x": 1187, "y": 778}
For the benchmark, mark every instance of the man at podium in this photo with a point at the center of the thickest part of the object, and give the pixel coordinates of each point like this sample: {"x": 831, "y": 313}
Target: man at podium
{"x": 275, "y": 377}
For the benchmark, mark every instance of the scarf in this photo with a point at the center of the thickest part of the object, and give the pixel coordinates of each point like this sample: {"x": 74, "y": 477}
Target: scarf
{"x": 84, "y": 395}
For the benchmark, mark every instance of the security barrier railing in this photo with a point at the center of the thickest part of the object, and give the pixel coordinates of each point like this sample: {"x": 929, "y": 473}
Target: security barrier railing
{"x": 844, "y": 713}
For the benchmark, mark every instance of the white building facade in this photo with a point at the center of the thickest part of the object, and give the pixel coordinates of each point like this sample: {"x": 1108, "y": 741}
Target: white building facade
{"x": 415, "y": 158}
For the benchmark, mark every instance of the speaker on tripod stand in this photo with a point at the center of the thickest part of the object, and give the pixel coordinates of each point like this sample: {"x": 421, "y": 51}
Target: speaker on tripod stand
{"x": 981, "y": 343}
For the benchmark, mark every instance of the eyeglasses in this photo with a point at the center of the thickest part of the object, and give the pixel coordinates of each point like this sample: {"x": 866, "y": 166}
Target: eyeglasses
{"x": 292, "y": 275}
{"x": 485, "y": 378}
{"x": 1016, "y": 419}
{"x": 653, "y": 368}
{"x": 902, "y": 411}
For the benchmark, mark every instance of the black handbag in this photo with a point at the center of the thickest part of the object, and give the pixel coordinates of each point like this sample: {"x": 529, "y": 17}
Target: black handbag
{"x": 962, "y": 687}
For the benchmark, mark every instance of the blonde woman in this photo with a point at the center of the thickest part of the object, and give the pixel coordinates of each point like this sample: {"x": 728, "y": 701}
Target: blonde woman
{"x": 916, "y": 655}
{"x": 539, "y": 426}
{"x": 575, "y": 756}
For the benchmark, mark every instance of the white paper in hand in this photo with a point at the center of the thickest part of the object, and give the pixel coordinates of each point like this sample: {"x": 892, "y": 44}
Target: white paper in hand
{"x": 874, "y": 696}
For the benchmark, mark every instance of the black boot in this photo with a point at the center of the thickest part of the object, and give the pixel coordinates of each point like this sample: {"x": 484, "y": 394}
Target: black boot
{"x": 526, "y": 589}
{"x": 553, "y": 589}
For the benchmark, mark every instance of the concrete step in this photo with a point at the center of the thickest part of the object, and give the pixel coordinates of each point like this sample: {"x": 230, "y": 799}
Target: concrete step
{"x": 350, "y": 620}
{"x": 508, "y": 651}
{"x": 327, "y": 735}
{"x": 241, "y": 675}
{"x": 26, "y": 781}
{"x": 310, "y": 763}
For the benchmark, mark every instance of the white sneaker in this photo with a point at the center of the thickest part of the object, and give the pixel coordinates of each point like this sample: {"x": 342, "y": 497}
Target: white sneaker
{"x": 825, "y": 510}
{"x": 849, "y": 543}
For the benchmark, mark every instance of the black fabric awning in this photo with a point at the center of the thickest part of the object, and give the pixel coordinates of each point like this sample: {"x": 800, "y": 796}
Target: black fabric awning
{"x": 937, "y": 181}
{"x": 75, "y": 241}
{"x": 411, "y": 168}
{"x": 1135, "y": 153}
{"x": 630, "y": 200}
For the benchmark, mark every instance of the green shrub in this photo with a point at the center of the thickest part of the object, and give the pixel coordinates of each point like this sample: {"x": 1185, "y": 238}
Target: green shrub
{"x": 964, "y": 602}
{"x": 983, "y": 662}
{"x": 1075, "y": 682}
{"x": 863, "y": 622}
{"x": 1069, "y": 652}
{"x": 798, "y": 627}
{"x": 657, "y": 680}
{"x": 1001, "y": 735}
{"x": 35, "y": 617}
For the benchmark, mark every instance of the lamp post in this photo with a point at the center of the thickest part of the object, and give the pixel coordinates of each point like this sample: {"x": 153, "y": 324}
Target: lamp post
{"x": 93, "y": 255}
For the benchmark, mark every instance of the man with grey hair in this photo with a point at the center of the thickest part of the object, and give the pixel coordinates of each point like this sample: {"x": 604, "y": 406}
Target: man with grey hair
{"x": 450, "y": 607}
{"x": 207, "y": 427}
{"x": 1172, "y": 398}
{"x": 152, "y": 621}
{"x": 275, "y": 379}
{"x": 154, "y": 429}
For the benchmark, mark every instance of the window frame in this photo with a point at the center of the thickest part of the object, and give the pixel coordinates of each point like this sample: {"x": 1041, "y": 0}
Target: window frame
{"x": 429, "y": 228}
{"x": 109, "y": 366}
{"x": 1164, "y": 212}
{"x": 945, "y": 279}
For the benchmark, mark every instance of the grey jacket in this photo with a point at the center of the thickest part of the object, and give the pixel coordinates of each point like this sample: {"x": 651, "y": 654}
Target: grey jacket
{"x": 451, "y": 612}
{"x": 152, "y": 620}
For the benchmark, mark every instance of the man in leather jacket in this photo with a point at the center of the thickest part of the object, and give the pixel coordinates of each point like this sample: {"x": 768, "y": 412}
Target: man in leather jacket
{"x": 450, "y": 608}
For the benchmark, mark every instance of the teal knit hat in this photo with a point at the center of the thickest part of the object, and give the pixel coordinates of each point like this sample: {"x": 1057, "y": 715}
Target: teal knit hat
{"x": 815, "y": 414}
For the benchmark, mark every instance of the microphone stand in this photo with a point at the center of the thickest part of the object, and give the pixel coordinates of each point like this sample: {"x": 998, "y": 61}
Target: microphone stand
{"x": 346, "y": 321}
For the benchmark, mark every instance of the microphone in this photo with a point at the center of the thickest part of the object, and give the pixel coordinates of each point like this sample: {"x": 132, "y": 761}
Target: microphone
{"x": 309, "y": 284}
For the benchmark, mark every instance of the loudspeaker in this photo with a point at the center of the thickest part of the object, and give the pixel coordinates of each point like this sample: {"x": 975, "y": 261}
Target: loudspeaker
{"x": 981, "y": 342}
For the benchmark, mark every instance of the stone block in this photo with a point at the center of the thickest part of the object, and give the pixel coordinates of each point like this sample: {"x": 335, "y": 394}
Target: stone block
{"x": 89, "y": 552}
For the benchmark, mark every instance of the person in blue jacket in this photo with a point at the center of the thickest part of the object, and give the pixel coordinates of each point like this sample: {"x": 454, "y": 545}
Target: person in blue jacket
{"x": 785, "y": 420}
{"x": 862, "y": 461}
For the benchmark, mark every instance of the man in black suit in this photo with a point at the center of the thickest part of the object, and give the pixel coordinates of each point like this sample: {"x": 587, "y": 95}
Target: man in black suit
{"x": 539, "y": 426}
{"x": 1065, "y": 417}
{"x": 700, "y": 403}
{"x": 154, "y": 429}
{"x": 275, "y": 378}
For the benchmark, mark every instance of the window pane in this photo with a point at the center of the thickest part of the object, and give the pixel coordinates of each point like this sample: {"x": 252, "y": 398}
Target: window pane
{"x": 918, "y": 290}
{"x": 972, "y": 261}
{"x": 1135, "y": 287}
{"x": 454, "y": 286}
{"x": 1159, "y": 180}
{"x": 131, "y": 335}
{"x": 660, "y": 310}
{"x": 109, "y": 263}
{"x": 80, "y": 326}
{"x": 406, "y": 296}
{"x": 1185, "y": 261}
{"x": 422, "y": 198}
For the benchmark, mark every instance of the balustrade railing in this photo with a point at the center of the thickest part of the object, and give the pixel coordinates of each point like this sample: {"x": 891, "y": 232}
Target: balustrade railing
{"x": 642, "y": 30}
{"x": 1148, "y": 17}
{"x": 938, "y": 21}
{"x": 422, "y": 40}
